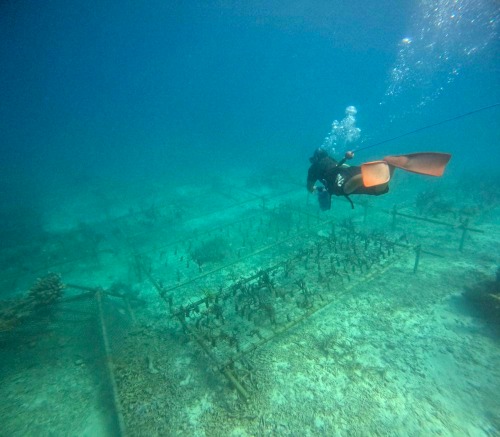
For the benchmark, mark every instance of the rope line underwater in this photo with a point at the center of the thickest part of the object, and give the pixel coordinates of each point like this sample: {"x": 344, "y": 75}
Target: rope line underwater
{"x": 457, "y": 117}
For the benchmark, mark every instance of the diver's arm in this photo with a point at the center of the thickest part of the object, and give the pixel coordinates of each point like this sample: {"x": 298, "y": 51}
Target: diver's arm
{"x": 312, "y": 177}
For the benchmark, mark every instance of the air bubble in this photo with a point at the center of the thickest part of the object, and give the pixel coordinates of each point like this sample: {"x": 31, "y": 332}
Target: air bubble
{"x": 343, "y": 133}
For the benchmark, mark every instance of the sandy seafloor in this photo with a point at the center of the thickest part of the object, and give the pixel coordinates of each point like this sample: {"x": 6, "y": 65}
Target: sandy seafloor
{"x": 402, "y": 354}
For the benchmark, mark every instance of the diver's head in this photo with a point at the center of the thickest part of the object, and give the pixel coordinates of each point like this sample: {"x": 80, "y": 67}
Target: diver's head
{"x": 318, "y": 155}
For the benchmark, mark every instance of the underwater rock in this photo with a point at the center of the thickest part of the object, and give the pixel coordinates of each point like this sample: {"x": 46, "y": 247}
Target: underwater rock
{"x": 211, "y": 251}
{"x": 484, "y": 296}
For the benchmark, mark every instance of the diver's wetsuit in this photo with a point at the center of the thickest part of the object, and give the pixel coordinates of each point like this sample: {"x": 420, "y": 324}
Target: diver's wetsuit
{"x": 326, "y": 171}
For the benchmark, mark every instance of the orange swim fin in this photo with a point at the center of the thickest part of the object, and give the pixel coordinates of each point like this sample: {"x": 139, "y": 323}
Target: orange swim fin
{"x": 428, "y": 163}
{"x": 375, "y": 173}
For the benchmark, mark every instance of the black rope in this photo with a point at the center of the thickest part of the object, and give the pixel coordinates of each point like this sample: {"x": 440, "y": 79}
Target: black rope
{"x": 429, "y": 126}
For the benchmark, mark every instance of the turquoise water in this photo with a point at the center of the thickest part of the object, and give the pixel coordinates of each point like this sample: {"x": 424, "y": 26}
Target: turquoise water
{"x": 154, "y": 158}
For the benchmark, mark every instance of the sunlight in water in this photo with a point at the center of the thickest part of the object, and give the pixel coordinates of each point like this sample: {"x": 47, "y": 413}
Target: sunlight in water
{"x": 445, "y": 36}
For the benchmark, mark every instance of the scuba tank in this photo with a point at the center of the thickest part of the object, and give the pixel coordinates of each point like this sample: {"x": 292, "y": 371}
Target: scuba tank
{"x": 324, "y": 199}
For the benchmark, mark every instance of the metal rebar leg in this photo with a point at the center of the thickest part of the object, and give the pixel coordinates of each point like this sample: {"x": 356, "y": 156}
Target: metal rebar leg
{"x": 109, "y": 367}
{"x": 465, "y": 227}
{"x": 418, "y": 251}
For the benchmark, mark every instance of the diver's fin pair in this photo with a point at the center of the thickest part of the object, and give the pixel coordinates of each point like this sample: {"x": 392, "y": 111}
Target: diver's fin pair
{"x": 375, "y": 173}
{"x": 427, "y": 163}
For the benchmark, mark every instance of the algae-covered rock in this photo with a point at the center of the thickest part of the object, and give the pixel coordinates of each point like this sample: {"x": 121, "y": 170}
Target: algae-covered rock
{"x": 211, "y": 251}
{"x": 485, "y": 297}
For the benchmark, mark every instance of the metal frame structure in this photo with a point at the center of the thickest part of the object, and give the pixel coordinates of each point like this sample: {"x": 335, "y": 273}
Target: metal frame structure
{"x": 278, "y": 265}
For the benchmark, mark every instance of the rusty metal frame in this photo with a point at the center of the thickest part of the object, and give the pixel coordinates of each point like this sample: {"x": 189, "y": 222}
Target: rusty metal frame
{"x": 226, "y": 366}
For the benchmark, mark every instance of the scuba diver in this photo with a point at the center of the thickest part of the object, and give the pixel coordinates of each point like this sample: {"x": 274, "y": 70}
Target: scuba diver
{"x": 370, "y": 178}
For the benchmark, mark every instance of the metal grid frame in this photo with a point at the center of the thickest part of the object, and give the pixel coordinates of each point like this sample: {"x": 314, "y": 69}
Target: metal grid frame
{"x": 302, "y": 268}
